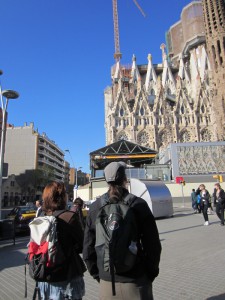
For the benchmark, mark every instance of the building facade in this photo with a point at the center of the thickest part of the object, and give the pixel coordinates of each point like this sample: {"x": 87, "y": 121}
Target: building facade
{"x": 196, "y": 162}
{"x": 11, "y": 192}
{"x": 171, "y": 102}
{"x": 26, "y": 149}
{"x": 214, "y": 17}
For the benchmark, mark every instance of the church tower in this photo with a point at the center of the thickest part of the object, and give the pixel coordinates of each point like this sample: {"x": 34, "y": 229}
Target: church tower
{"x": 214, "y": 17}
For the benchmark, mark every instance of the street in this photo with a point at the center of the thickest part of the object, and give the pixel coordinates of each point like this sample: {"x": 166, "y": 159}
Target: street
{"x": 192, "y": 262}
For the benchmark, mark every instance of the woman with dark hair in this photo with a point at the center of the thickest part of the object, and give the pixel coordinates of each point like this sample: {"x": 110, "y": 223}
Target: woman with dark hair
{"x": 205, "y": 196}
{"x": 70, "y": 235}
{"x": 77, "y": 208}
{"x": 135, "y": 284}
{"x": 219, "y": 195}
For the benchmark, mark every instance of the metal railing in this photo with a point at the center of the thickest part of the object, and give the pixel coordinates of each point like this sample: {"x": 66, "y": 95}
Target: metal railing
{"x": 155, "y": 172}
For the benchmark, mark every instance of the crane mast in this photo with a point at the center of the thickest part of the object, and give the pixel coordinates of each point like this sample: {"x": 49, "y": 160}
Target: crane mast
{"x": 117, "y": 54}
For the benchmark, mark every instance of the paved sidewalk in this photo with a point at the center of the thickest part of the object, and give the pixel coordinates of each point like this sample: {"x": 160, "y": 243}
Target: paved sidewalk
{"x": 192, "y": 265}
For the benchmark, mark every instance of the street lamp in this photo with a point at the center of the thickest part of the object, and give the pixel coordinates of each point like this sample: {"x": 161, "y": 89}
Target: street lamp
{"x": 76, "y": 169}
{"x": 76, "y": 187}
{"x": 7, "y": 94}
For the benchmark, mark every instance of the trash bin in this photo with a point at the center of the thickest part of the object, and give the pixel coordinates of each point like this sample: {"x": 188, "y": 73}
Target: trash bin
{"x": 7, "y": 230}
{"x": 156, "y": 194}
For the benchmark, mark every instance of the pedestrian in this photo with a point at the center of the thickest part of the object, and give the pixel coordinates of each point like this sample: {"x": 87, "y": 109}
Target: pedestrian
{"x": 220, "y": 202}
{"x": 77, "y": 208}
{"x": 38, "y": 204}
{"x": 210, "y": 208}
{"x": 199, "y": 206}
{"x": 70, "y": 235}
{"x": 135, "y": 284}
{"x": 204, "y": 195}
{"x": 194, "y": 200}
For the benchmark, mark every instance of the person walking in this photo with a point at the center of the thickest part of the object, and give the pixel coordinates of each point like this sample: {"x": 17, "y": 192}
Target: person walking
{"x": 70, "y": 235}
{"x": 198, "y": 201}
{"x": 204, "y": 195}
{"x": 77, "y": 208}
{"x": 135, "y": 284}
{"x": 194, "y": 200}
{"x": 38, "y": 204}
{"x": 219, "y": 197}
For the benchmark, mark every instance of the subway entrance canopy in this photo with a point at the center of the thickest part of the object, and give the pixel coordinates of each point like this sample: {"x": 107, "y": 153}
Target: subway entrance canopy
{"x": 131, "y": 153}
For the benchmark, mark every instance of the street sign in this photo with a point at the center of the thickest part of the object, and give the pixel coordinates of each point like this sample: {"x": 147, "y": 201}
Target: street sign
{"x": 179, "y": 179}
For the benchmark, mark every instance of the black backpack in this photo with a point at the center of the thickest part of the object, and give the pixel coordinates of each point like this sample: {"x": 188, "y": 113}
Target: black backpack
{"x": 45, "y": 257}
{"x": 116, "y": 237}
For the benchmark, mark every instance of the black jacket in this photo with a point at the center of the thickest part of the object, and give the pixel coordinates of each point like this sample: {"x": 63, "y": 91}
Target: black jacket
{"x": 205, "y": 199}
{"x": 149, "y": 260}
{"x": 220, "y": 198}
{"x": 71, "y": 239}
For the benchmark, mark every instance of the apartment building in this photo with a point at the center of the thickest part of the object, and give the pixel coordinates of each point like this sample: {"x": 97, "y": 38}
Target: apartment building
{"x": 27, "y": 149}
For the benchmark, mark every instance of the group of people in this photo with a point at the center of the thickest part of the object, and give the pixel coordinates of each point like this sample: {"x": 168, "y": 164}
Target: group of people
{"x": 201, "y": 202}
{"x": 135, "y": 283}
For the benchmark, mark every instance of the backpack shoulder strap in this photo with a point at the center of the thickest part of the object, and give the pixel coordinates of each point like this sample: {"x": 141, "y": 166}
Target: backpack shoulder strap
{"x": 129, "y": 199}
{"x": 104, "y": 200}
{"x": 57, "y": 213}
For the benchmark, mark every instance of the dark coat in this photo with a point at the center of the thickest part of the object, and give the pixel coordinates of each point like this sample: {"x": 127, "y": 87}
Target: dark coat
{"x": 78, "y": 210}
{"x": 71, "y": 239}
{"x": 39, "y": 212}
{"x": 149, "y": 260}
{"x": 220, "y": 198}
{"x": 205, "y": 199}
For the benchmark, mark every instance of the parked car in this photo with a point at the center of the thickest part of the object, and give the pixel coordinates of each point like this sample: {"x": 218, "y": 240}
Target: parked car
{"x": 22, "y": 216}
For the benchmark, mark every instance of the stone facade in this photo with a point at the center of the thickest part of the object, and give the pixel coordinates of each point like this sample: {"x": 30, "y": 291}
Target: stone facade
{"x": 196, "y": 161}
{"x": 158, "y": 104}
{"x": 27, "y": 149}
{"x": 214, "y": 16}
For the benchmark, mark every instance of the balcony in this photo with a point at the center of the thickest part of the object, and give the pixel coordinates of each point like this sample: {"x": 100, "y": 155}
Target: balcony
{"x": 47, "y": 154}
{"x": 51, "y": 149}
{"x": 52, "y": 164}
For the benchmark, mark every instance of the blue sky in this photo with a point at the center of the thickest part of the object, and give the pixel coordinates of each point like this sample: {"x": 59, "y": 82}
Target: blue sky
{"x": 58, "y": 53}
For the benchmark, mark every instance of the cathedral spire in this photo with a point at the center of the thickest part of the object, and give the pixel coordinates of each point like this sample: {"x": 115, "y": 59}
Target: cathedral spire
{"x": 116, "y": 75}
{"x": 167, "y": 73}
{"x": 151, "y": 74}
{"x": 214, "y": 17}
{"x": 182, "y": 71}
{"x": 135, "y": 75}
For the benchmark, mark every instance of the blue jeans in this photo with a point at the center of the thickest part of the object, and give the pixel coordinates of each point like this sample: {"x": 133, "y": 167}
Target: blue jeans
{"x": 73, "y": 289}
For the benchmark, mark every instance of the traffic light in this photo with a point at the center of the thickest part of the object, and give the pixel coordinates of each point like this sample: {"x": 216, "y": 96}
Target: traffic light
{"x": 183, "y": 182}
{"x": 218, "y": 177}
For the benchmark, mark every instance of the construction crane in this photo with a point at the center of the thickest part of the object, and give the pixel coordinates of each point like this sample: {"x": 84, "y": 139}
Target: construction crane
{"x": 117, "y": 54}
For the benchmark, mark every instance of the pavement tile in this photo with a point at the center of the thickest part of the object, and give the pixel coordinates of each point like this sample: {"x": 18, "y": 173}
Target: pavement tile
{"x": 192, "y": 264}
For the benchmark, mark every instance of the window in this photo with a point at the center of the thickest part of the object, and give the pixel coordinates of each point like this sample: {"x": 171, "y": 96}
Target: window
{"x": 12, "y": 183}
{"x": 152, "y": 92}
{"x": 182, "y": 109}
{"x": 202, "y": 109}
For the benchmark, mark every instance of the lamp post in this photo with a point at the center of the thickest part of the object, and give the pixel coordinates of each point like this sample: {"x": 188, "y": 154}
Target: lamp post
{"x": 7, "y": 94}
{"x": 75, "y": 169}
{"x": 76, "y": 187}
